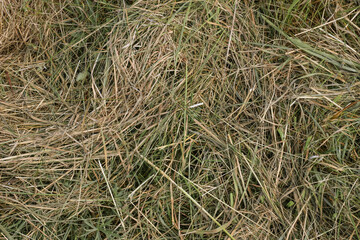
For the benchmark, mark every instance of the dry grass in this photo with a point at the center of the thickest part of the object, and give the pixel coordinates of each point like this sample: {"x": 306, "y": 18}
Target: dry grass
{"x": 179, "y": 119}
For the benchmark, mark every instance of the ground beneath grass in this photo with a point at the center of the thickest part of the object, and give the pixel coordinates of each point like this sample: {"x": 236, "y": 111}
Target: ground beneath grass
{"x": 151, "y": 119}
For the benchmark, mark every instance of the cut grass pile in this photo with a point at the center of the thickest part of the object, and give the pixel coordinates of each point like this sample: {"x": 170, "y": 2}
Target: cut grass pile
{"x": 179, "y": 119}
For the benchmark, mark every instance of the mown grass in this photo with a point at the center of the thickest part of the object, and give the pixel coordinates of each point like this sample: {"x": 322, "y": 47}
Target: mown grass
{"x": 179, "y": 119}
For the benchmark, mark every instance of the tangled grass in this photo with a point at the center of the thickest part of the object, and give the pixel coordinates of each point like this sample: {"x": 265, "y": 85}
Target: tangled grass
{"x": 179, "y": 119}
